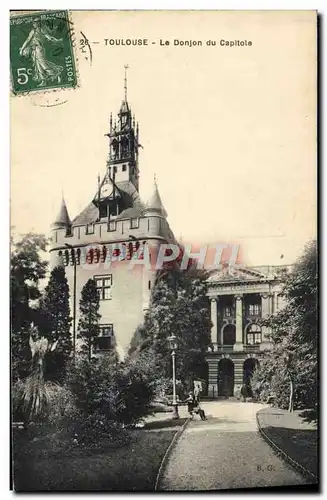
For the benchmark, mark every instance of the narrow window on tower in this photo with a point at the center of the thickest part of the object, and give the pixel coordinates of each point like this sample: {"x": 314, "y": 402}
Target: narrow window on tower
{"x": 104, "y": 286}
{"x": 89, "y": 228}
{"x": 124, "y": 168}
{"x": 112, "y": 225}
{"x": 134, "y": 223}
{"x": 103, "y": 211}
{"x": 78, "y": 256}
{"x": 104, "y": 342}
{"x": 66, "y": 261}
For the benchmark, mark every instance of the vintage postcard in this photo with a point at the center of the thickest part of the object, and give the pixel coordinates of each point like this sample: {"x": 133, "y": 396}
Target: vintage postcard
{"x": 163, "y": 260}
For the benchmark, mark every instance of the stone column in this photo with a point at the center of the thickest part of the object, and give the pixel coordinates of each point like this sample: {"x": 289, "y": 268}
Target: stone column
{"x": 275, "y": 303}
{"x": 238, "y": 346}
{"x": 214, "y": 319}
{"x": 213, "y": 377}
{"x": 266, "y": 310}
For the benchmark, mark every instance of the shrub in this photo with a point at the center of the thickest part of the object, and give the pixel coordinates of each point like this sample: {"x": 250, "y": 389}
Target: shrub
{"x": 62, "y": 407}
{"x": 136, "y": 391}
{"x": 96, "y": 431}
{"x": 121, "y": 392}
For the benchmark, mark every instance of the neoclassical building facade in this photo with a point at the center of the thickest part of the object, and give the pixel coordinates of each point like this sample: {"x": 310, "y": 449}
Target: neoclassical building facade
{"x": 238, "y": 301}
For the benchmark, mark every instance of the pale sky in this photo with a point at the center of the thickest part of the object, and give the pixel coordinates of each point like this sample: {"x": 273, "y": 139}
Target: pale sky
{"x": 229, "y": 131}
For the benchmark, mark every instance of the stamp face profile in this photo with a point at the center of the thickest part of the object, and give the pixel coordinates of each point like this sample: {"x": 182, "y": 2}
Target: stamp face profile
{"x": 41, "y": 52}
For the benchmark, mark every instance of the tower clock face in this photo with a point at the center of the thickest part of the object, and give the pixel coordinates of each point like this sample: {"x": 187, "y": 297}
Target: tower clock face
{"x": 106, "y": 190}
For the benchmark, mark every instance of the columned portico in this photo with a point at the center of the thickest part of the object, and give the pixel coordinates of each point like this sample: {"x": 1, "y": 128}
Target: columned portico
{"x": 238, "y": 302}
{"x": 238, "y": 346}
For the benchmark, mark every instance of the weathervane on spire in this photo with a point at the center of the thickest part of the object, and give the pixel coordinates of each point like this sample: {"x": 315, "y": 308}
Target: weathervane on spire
{"x": 125, "y": 80}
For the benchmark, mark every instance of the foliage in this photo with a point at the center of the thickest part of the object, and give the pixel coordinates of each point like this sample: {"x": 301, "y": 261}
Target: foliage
{"x": 179, "y": 307}
{"x": 293, "y": 359}
{"x": 88, "y": 326}
{"x": 270, "y": 379}
{"x": 122, "y": 392}
{"x": 136, "y": 386}
{"x": 27, "y": 269}
{"x": 55, "y": 322}
{"x": 96, "y": 431}
{"x": 33, "y": 398}
{"x": 62, "y": 407}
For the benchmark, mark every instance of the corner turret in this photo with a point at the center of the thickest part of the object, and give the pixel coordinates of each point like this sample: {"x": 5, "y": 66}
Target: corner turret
{"x": 155, "y": 205}
{"x": 62, "y": 220}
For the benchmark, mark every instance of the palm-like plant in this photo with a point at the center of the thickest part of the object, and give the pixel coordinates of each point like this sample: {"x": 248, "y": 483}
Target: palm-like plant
{"x": 33, "y": 395}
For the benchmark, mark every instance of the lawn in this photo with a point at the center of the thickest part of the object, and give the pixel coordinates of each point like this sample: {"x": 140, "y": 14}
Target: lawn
{"x": 45, "y": 461}
{"x": 300, "y": 445}
{"x": 291, "y": 433}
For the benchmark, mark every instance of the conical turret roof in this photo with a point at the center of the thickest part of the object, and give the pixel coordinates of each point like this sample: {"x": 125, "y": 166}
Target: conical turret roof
{"x": 155, "y": 204}
{"x": 62, "y": 218}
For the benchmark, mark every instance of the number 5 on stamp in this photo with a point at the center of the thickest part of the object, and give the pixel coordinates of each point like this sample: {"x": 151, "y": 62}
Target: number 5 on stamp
{"x": 41, "y": 52}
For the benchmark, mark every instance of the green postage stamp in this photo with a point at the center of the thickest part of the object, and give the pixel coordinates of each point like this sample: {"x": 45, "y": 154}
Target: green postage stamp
{"x": 41, "y": 52}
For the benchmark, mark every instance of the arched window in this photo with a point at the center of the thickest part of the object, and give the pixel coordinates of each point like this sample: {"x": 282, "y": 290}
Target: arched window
{"x": 229, "y": 334}
{"x": 115, "y": 149}
{"x": 253, "y": 334}
{"x": 124, "y": 146}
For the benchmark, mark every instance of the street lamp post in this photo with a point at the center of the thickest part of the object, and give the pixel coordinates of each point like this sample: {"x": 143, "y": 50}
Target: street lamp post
{"x": 173, "y": 347}
{"x": 74, "y": 301}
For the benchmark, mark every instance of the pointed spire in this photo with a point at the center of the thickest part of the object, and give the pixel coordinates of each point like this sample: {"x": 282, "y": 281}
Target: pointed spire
{"x": 155, "y": 204}
{"x": 125, "y": 81}
{"x": 124, "y": 108}
{"x": 62, "y": 219}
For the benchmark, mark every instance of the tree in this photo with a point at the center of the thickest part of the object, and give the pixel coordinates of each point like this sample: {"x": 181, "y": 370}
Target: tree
{"x": 56, "y": 321}
{"x": 27, "y": 269}
{"x": 110, "y": 393}
{"x": 294, "y": 338}
{"x": 178, "y": 307}
{"x": 88, "y": 326}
